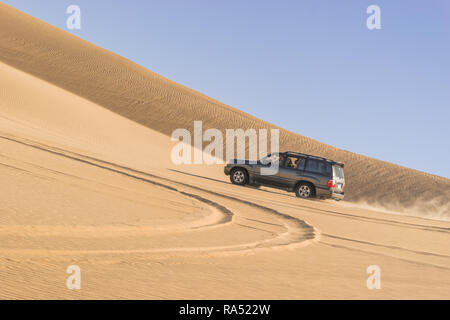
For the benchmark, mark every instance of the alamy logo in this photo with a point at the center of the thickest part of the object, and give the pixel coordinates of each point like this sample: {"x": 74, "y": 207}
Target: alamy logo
{"x": 374, "y": 280}
{"x": 374, "y": 20}
{"x": 74, "y": 20}
{"x": 74, "y": 280}
{"x": 234, "y": 140}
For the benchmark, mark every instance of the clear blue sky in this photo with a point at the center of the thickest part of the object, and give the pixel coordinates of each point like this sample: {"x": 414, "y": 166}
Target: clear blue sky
{"x": 311, "y": 66}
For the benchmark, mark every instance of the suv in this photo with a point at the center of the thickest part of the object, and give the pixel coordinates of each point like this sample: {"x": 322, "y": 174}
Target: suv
{"x": 308, "y": 176}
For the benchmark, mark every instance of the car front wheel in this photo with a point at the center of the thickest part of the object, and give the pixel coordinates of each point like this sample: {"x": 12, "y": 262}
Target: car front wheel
{"x": 239, "y": 176}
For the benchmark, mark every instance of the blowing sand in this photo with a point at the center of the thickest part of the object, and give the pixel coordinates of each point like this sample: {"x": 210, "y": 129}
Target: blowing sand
{"x": 86, "y": 179}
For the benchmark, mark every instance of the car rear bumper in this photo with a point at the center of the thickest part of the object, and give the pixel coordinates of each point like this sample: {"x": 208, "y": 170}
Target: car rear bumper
{"x": 226, "y": 170}
{"x": 327, "y": 193}
{"x": 337, "y": 196}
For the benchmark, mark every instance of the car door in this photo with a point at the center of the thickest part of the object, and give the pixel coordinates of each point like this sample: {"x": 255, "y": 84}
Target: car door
{"x": 318, "y": 172}
{"x": 273, "y": 179}
{"x": 288, "y": 172}
{"x": 291, "y": 171}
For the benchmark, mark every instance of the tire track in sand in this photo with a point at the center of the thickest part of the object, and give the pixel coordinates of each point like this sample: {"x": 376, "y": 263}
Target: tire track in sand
{"x": 298, "y": 232}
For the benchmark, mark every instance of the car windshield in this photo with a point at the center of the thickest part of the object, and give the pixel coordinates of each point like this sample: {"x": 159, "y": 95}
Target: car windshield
{"x": 338, "y": 171}
{"x": 271, "y": 158}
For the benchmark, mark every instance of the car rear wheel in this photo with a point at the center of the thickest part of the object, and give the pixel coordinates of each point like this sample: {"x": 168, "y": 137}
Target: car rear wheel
{"x": 304, "y": 190}
{"x": 239, "y": 176}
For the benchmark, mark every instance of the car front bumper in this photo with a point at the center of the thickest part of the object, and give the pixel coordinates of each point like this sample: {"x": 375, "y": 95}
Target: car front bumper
{"x": 227, "y": 170}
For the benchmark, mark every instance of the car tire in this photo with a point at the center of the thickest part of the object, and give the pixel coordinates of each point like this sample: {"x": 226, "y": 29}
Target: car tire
{"x": 239, "y": 176}
{"x": 305, "y": 190}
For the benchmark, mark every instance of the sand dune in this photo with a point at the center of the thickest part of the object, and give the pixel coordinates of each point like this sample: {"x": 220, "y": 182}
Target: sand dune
{"x": 153, "y": 101}
{"x": 87, "y": 180}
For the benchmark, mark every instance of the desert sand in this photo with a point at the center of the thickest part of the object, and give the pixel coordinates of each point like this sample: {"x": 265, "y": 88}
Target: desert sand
{"x": 87, "y": 180}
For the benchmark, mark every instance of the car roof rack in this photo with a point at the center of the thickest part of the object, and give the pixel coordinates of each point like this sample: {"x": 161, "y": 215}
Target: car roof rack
{"x": 315, "y": 157}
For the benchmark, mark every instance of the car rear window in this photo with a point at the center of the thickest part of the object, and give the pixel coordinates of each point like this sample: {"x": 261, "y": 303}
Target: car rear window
{"x": 338, "y": 171}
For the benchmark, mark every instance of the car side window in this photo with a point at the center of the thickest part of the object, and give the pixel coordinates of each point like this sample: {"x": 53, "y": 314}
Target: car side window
{"x": 317, "y": 166}
{"x": 291, "y": 162}
{"x": 301, "y": 164}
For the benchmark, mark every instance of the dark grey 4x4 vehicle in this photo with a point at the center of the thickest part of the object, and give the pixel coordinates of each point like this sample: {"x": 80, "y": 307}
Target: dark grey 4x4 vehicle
{"x": 308, "y": 176}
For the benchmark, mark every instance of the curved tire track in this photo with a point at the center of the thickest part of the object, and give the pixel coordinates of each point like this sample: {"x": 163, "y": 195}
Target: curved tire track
{"x": 298, "y": 231}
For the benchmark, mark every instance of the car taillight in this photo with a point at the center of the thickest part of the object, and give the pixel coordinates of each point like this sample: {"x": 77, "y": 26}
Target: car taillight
{"x": 331, "y": 184}
{"x": 343, "y": 185}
